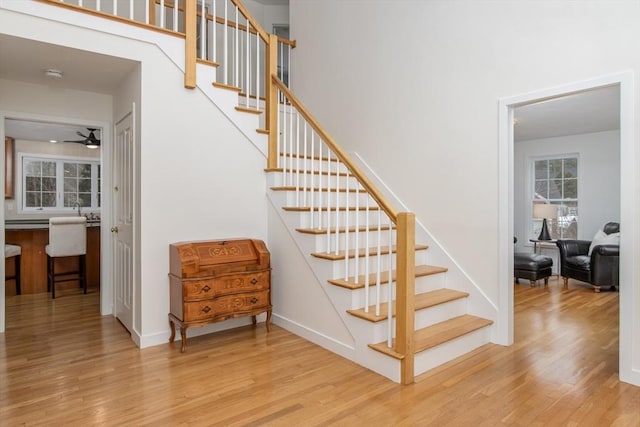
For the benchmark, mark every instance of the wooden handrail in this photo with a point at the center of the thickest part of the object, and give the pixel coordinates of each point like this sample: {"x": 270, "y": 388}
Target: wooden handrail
{"x": 344, "y": 157}
{"x": 263, "y": 34}
{"x": 112, "y": 17}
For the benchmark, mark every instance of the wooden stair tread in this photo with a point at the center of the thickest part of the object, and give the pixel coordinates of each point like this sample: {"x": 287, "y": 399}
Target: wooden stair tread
{"x": 248, "y": 110}
{"x": 316, "y": 190}
{"x": 384, "y": 250}
{"x": 350, "y": 283}
{"x": 422, "y": 301}
{"x": 440, "y": 333}
{"x": 315, "y": 172}
{"x": 341, "y": 229}
{"x": 325, "y": 209}
{"x": 227, "y": 87}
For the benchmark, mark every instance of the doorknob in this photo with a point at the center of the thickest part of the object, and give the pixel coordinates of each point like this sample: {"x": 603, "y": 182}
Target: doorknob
{"x": 114, "y": 229}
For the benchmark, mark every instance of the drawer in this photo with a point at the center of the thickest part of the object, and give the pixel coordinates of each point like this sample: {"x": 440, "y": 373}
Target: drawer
{"x": 226, "y": 305}
{"x": 227, "y": 284}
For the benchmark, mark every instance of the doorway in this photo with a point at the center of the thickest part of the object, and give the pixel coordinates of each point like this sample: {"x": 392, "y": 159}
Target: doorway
{"x": 629, "y": 273}
{"x": 94, "y": 203}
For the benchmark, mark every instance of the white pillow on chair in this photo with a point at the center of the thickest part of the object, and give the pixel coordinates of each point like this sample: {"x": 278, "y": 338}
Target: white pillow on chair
{"x": 602, "y": 238}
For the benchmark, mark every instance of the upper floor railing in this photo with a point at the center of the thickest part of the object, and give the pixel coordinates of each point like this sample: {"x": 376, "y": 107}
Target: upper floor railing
{"x": 224, "y": 35}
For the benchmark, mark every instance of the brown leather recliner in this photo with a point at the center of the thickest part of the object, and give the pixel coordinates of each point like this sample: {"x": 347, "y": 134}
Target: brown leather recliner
{"x": 600, "y": 269}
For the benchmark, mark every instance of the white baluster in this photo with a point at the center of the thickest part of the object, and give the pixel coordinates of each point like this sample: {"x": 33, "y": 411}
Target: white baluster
{"x": 214, "y": 27}
{"x": 366, "y": 256}
{"x": 115, "y": 8}
{"x": 161, "y": 13}
{"x": 175, "y": 15}
{"x": 203, "y": 31}
{"x": 278, "y": 127}
{"x": 98, "y": 6}
{"x": 378, "y": 267}
{"x": 258, "y": 67}
{"x": 131, "y": 9}
{"x": 346, "y": 229}
{"x": 337, "y": 221}
{"x": 284, "y": 143}
{"x": 305, "y": 169}
{"x": 356, "y": 243}
{"x": 389, "y": 289}
{"x": 248, "y": 65}
{"x": 328, "y": 199}
{"x": 320, "y": 164}
{"x": 236, "y": 59}
{"x": 297, "y": 136}
{"x": 225, "y": 45}
{"x": 146, "y": 13}
{"x": 313, "y": 179}
{"x": 288, "y": 66}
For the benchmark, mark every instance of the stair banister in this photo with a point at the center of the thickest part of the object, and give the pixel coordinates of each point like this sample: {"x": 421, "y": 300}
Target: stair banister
{"x": 405, "y": 240}
{"x": 339, "y": 152}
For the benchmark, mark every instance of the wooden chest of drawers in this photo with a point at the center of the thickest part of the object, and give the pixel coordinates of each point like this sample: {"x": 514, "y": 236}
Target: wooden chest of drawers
{"x": 211, "y": 281}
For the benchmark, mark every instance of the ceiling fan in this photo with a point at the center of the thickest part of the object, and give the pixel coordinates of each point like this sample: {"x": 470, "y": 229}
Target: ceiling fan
{"x": 90, "y": 141}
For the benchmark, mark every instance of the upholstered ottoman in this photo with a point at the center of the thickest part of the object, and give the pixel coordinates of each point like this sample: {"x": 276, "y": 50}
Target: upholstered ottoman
{"x": 533, "y": 267}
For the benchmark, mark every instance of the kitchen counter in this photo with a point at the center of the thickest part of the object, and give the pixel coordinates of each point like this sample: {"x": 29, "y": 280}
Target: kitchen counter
{"x": 33, "y": 236}
{"x": 38, "y": 224}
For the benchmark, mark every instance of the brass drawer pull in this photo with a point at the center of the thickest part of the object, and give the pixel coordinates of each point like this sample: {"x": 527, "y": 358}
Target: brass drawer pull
{"x": 254, "y": 300}
{"x": 206, "y": 288}
{"x": 254, "y": 281}
{"x": 206, "y": 309}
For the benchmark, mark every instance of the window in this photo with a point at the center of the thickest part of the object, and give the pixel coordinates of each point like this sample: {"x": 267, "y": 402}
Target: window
{"x": 555, "y": 181}
{"x": 59, "y": 184}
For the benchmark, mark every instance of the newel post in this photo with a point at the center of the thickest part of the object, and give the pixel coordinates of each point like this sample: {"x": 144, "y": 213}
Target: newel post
{"x": 271, "y": 107}
{"x": 191, "y": 36}
{"x": 405, "y": 293}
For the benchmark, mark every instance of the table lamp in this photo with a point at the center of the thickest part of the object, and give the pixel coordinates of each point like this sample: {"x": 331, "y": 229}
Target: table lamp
{"x": 544, "y": 211}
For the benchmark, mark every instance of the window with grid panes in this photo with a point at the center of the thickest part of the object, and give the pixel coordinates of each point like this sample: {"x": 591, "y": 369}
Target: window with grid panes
{"x": 59, "y": 184}
{"x": 555, "y": 181}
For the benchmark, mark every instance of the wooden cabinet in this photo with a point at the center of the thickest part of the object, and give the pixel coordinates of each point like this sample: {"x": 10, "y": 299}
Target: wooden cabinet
{"x": 9, "y": 159}
{"x": 34, "y": 260}
{"x": 212, "y": 281}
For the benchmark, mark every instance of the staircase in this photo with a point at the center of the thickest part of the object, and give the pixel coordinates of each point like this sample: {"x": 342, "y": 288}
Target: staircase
{"x": 443, "y": 328}
{"x": 405, "y": 314}
{"x": 349, "y": 235}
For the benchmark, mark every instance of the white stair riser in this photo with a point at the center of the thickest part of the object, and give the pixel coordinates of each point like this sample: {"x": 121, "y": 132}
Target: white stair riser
{"x": 293, "y": 178}
{"x": 425, "y": 317}
{"x": 439, "y": 313}
{"x": 443, "y": 353}
{"x": 359, "y": 294}
{"x": 321, "y": 219}
{"x": 349, "y": 240}
{"x": 307, "y": 198}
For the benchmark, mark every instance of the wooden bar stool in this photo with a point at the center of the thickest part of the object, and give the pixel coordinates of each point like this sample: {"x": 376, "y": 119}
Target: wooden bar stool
{"x": 67, "y": 238}
{"x": 16, "y": 252}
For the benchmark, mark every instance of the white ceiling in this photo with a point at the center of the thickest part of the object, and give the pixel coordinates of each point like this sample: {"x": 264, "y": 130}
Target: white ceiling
{"x": 590, "y": 111}
{"x": 26, "y": 60}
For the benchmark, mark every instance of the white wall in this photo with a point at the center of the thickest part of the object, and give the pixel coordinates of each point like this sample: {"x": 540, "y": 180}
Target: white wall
{"x": 598, "y": 181}
{"x": 414, "y": 88}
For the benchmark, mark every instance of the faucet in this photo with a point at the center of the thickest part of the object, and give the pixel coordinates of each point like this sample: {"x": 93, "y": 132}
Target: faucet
{"x": 79, "y": 208}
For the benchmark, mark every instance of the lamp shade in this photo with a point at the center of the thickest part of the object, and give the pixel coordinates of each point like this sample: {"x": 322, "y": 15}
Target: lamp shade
{"x": 542, "y": 211}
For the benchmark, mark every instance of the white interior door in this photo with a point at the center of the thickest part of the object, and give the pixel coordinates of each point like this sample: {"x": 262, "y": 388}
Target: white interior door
{"x": 122, "y": 228}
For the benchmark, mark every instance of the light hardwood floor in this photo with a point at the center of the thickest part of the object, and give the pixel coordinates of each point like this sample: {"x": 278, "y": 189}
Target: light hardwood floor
{"x": 63, "y": 364}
